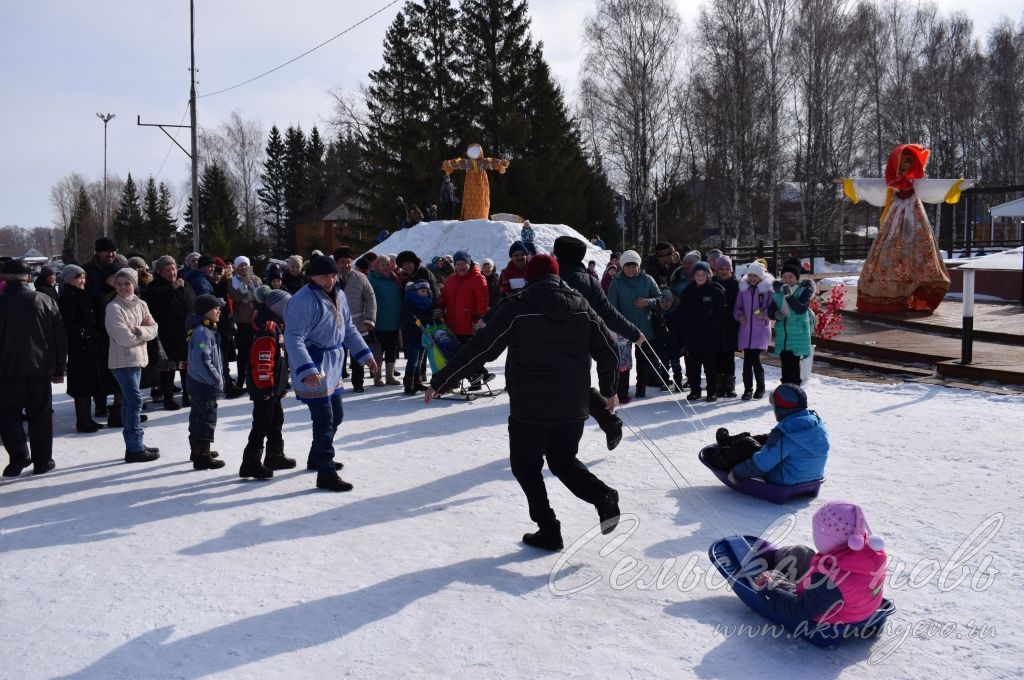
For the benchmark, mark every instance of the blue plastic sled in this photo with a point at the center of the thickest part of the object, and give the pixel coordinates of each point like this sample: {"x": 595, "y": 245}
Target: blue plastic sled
{"x": 736, "y": 558}
{"x": 776, "y": 493}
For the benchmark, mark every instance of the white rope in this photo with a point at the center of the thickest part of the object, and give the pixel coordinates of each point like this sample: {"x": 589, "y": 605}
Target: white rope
{"x": 675, "y": 395}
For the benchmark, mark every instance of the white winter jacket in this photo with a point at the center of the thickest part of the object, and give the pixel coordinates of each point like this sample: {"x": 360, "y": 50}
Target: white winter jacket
{"x": 122, "y": 318}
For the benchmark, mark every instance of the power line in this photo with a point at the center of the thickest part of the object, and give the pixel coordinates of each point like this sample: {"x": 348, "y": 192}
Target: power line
{"x": 307, "y": 52}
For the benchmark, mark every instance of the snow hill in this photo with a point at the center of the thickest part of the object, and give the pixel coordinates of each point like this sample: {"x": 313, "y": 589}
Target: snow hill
{"x": 482, "y": 238}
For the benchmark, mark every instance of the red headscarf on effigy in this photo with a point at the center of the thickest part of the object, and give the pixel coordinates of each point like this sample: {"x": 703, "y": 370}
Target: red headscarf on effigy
{"x": 919, "y": 158}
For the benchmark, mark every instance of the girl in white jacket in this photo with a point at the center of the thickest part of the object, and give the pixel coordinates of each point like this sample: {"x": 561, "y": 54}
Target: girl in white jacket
{"x": 130, "y": 326}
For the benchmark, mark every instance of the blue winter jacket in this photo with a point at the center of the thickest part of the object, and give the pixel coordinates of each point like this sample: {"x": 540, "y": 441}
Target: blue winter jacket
{"x": 316, "y": 327}
{"x": 204, "y": 358}
{"x": 795, "y": 452}
{"x": 200, "y": 284}
{"x": 388, "y": 292}
{"x": 624, "y": 291}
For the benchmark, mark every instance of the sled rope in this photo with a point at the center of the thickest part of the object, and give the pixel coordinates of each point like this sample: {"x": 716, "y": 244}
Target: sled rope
{"x": 692, "y": 414}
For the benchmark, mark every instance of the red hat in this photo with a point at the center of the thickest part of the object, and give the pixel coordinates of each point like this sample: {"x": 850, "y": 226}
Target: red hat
{"x": 540, "y": 265}
{"x": 219, "y": 262}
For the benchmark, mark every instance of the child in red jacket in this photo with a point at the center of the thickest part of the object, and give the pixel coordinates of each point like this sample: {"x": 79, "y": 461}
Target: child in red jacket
{"x": 840, "y": 583}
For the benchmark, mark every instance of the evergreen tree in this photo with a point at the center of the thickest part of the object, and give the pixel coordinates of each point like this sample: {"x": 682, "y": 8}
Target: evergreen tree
{"x": 395, "y": 126}
{"x": 217, "y": 211}
{"x": 128, "y": 222}
{"x": 76, "y": 226}
{"x": 317, "y": 189}
{"x": 496, "y": 40}
{"x": 272, "y": 192}
{"x": 439, "y": 82}
{"x": 185, "y": 233}
{"x": 294, "y": 173}
{"x": 167, "y": 224}
{"x": 151, "y": 217}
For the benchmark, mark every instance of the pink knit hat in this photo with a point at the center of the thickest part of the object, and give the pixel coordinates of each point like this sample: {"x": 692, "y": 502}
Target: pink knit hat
{"x": 839, "y": 523}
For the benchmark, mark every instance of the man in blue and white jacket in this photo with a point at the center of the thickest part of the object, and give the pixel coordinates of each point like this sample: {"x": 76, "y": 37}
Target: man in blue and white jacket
{"x": 317, "y": 325}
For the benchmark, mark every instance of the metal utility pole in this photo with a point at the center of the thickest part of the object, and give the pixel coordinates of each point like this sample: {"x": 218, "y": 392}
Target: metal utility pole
{"x": 192, "y": 108}
{"x": 106, "y": 118}
{"x": 194, "y": 156}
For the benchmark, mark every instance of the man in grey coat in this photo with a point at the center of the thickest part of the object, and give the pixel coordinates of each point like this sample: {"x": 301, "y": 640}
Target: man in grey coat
{"x": 362, "y": 304}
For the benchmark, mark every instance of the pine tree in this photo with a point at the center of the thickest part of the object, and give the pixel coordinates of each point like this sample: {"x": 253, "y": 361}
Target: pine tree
{"x": 317, "y": 190}
{"x": 440, "y": 83}
{"x": 151, "y": 217}
{"x": 217, "y": 211}
{"x": 395, "y": 126}
{"x": 496, "y": 39}
{"x": 295, "y": 172}
{"x": 128, "y": 222}
{"x": 167, "y": 224}
{"x": 76, "y": 226}
{"x": 272, "y": 192}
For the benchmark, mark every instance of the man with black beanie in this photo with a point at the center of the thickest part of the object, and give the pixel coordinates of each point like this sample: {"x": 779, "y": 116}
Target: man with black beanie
{"x": 570, "y": 253}
{"x": 106, "y": 251}
{"x": 551, "y": 334}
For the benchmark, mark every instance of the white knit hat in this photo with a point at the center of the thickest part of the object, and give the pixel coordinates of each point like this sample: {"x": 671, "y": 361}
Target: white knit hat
{"x": 755, "y": 269}
{"x": 240, "y": 260}
{"x": 629, "y": 257}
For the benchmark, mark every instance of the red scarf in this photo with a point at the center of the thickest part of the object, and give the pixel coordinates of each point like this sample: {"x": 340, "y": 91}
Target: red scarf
{"x": 919, "y": 158}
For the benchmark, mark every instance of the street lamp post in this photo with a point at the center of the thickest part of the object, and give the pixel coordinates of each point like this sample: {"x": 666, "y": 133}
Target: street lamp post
{"x": 106, "y": 118}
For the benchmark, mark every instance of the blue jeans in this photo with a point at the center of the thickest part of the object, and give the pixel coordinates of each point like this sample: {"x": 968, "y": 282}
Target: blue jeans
{"x": 131, "y": 407}
{"x": 327, "y": 416}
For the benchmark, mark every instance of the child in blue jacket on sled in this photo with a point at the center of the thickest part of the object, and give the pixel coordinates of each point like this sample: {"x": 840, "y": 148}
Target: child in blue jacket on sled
{"x": 794, "y": 451}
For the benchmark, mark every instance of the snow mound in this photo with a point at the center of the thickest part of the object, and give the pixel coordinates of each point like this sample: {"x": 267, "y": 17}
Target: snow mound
{"x": 482, "y": 238}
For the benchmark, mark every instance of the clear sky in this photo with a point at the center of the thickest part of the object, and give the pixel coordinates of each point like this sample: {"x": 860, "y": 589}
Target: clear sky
{"x": 66, "y": 60}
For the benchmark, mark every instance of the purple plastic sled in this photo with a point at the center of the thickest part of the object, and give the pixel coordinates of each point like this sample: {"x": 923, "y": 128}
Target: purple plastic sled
{"x": 776, "y": 493}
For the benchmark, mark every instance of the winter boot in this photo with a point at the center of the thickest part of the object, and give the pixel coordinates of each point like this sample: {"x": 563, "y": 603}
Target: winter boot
{"x": 409, "y": 385}
{"x": 83, "y": 421}
{"x": 114, "y": 416}
{"x": 167, "y": 390}
{"x": 390, "y": 378}
{"x": 694, "y": 394}
{"x": 622, "y": 388}
{"x": 677, "y": 382}
{"x": 101, "y": 407}
{"x": 201, "y": 458}
{"x": 275, "y": 458}
{"x": 748, "y": 393}
{"x": 729, "y": 386}
{"x": 330, "y": 481}
{"x": 759, "y": 380}
{"x": 712, "y": 396}
{"x": 641, "y": 390}
{"x": 251, "y": 465}
{"x": 608, "y": 511}
{"x": 548, "y": 538}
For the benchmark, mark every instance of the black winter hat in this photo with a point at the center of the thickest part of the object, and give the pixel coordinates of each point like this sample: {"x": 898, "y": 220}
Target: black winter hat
{"x": 793, "y": 269}
{"x": 701, "y": 267}
{"x": 517, "y": 247}
{"x": 342, "y": 251}
{"x": 206, "y": 302}
{"x": 569, "y": 249}
{"x": 204, "y": 261}
{"x": 105, "y": 244}
{"x": 322, "y": 265}
{"x": 664, "y": 248}
{"x": 407, "y": 256}
{"x": 16, "y": 268}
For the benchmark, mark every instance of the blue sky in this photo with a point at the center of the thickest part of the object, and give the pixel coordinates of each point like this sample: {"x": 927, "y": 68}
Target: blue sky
{"x": 64, "y": 61}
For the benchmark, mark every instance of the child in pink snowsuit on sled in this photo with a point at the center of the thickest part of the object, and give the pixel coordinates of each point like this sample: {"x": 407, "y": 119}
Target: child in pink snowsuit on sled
{"x": 840, "y": 583}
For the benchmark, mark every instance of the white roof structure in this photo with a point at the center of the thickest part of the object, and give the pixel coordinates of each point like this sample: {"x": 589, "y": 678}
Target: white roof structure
{"x": 1008, "y": 260}
{"x": 1011, "y": 209}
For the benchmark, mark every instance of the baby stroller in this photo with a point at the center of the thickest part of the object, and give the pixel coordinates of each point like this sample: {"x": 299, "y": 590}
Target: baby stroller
{"x": 439, "y": 347}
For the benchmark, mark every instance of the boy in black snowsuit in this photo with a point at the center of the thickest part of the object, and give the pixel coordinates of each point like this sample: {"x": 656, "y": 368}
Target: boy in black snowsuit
{"x": 267, "y": 383}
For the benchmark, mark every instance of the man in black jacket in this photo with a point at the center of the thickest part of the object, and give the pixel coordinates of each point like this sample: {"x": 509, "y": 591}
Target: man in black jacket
{"x": 551, "y": 333}
{"x": 33, "y": 353}
{"x": 570, "y": 253}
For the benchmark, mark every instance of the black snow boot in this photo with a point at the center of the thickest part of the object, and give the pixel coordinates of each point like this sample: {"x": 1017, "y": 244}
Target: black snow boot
{"x": 251, "y": 465}
{"x": 548, "y": 538}
{"x": 729, "y": 386}
{"x": 330, "y": 481}
{"x": 201, "y": 458}
{"x": 83, "y": 421}
{"x": 694, "y": 394}
{"x": 275, "y": 458}
{"x": 114, "y": 416}
{"x": 748, "y": 393}
{"x": 409, "y": 385}
{"x": 608, "y": 511}
{"x": 759, "y": 379}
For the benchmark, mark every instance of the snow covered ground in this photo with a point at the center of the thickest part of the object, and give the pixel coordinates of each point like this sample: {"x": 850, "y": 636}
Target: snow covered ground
{"x": 158, "y": 571}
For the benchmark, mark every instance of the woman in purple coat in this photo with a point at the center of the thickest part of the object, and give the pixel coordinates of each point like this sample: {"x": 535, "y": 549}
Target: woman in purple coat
{"x": 751, "y": 311}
